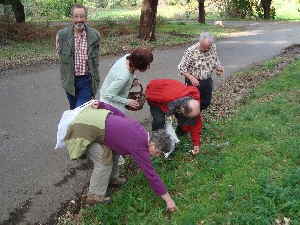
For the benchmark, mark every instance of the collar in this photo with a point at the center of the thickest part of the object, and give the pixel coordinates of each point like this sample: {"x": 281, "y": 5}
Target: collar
{"x": 83, "y": 33}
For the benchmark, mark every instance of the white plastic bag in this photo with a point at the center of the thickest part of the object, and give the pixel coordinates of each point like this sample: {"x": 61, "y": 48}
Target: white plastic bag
{"x": 64, "y": 123}
{"x": 174, "y": 139}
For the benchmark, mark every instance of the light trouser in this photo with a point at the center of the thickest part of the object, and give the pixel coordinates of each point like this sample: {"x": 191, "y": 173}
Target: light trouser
{"x": 105, "y": 168}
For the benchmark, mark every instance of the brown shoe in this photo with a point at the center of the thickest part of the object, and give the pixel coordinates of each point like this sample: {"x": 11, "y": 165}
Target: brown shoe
{"x": 119, "y": 181}
{"x": 92, "y": 199}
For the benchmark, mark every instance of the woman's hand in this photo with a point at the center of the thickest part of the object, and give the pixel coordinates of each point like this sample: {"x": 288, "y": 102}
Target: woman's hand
{"x": 195, "y": 82}
{"x": 95, "y": 104}
{"x": 196, "y": 150}
{"x": 171, "y": 206}
{"x": 220, "y": 70}
{"x": 136, "y": 82}
{"x": 133, "y": 103}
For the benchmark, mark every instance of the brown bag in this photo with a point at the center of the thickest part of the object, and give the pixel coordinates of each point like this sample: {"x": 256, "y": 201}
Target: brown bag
{"x": 137, "y": 95}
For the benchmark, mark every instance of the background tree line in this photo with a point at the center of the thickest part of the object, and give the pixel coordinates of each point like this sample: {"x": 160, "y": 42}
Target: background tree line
{"x": 58, "y": 8}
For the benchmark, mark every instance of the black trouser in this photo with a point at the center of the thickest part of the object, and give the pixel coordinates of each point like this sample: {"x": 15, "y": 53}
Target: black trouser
{"x": 158, "y": 118}
{"x": 205, "y": 89}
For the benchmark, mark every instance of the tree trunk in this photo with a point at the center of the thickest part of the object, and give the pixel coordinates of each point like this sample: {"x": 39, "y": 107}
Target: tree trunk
{"x": 17, "y": 8}
{"x": 148, "y": 20}
{"x": 201, "y": 11}
{"x": 266, "y": 5}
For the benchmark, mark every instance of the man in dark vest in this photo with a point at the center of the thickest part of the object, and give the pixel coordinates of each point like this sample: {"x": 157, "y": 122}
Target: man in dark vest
{"x": 78, "y": 50}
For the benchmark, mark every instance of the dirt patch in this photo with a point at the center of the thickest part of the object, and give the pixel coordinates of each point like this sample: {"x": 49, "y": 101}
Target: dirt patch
{"x": 72, "y": 172}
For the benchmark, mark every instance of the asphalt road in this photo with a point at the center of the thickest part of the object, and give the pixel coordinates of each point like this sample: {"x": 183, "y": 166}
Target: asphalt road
{"x": 34, "y": 179}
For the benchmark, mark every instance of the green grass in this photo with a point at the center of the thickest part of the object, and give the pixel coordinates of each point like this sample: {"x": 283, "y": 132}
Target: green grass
{"x": 287, "y": 11}
{"x": 168, "y": 12}
{"x": 252, "y": 181}
{"x": 168, "y": 34}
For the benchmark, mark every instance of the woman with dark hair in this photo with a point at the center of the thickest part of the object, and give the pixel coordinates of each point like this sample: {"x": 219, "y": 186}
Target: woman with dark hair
{"x": 120, "y": 78}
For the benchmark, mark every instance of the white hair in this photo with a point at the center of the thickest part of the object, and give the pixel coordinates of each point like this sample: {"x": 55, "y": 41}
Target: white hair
{"x": 207, "y": 36}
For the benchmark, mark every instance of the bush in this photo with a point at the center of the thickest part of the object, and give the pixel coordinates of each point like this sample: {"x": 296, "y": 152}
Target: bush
{"x": 241, "y": 8}
{"x": 26, "y": 32}
{"x": 49, "y": 8}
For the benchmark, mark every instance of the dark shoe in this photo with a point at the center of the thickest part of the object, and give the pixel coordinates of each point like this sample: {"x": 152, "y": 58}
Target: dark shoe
{"x": 92, "y": 199}
{"x": 179, "y": 132}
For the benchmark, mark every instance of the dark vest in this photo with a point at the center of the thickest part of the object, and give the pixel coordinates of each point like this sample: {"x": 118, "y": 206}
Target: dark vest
{"x": 66, "y": 56}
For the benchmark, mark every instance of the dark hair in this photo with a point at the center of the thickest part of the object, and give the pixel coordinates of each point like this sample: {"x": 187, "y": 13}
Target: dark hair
{"x": 140, "y": 58}
{"x": 161, "y": 140}
{"x": 79, "y": 6}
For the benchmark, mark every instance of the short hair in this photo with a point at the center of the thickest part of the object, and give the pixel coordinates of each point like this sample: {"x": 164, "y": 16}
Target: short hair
{"x": 207, "y": 36}
{"x": 140, "y": 58}
{"x": 161, "y": 139}
{"x": 187, "y": 109}
{"x": 79, "y": 6}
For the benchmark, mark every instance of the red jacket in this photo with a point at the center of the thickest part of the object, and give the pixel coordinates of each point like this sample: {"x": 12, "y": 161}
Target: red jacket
{"x": 160, "y": 92}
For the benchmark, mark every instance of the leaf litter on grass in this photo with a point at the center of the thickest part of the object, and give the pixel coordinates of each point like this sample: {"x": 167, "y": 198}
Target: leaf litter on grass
{"x": 235, "y": 90}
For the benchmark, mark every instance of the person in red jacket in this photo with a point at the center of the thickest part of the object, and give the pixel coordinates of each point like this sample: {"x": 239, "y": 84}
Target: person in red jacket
{"x": 168, "y": 97}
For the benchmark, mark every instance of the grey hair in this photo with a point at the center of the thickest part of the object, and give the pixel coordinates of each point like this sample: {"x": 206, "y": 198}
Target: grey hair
{"x": 79, "y": 6}
{"x": 207, "y": 36}
{"x": 161, "y": 140}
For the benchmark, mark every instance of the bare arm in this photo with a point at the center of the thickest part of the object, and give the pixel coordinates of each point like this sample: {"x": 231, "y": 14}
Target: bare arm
{"x": 171, "y": 206}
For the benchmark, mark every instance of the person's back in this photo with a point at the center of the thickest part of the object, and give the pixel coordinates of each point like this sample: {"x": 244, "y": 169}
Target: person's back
{"x": 112, "y": 91}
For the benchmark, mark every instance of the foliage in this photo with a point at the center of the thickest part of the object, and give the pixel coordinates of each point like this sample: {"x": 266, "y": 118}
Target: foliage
{"x": 56, "y": 8}
{"x": 241, "y": 8}
{"x": 290, "y": 11}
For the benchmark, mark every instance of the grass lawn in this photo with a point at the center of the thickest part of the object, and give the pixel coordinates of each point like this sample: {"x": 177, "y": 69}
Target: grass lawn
{"x": 253, "y": 180}
{"x": 287, "y": 11}
{"x": 167, "y": 12}
{"x": 116, "y": 38}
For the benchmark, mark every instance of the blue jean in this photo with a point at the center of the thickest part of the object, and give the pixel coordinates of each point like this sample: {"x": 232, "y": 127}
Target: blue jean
{"x": 83, "y": 91}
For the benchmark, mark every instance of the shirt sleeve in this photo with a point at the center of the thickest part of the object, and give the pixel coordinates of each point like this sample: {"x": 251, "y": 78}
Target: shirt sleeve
{"x": 185, "y": 63}
{"x": 195, "y": 131}
{"x": 112, "y": 91}
{"x": 142, "y": 158}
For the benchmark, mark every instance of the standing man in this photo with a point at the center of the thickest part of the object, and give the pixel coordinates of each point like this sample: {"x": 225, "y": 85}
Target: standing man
{"x": 198, "y": 64}
{"x": 78, "y": 49}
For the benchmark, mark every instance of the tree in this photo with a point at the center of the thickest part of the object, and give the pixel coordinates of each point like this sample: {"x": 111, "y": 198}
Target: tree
{"x": 266, "y": 5}
{"x": 17, "y": 8}
{"x": 201, "y": 11}
{"x": 148, "y": 20}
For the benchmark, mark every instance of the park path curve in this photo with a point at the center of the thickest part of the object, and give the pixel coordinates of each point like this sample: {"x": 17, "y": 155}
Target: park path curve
{"x": 36, "y": 180}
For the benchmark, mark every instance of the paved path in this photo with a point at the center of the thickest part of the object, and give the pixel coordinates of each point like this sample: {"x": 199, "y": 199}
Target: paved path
{"x": 40, "y": 179}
